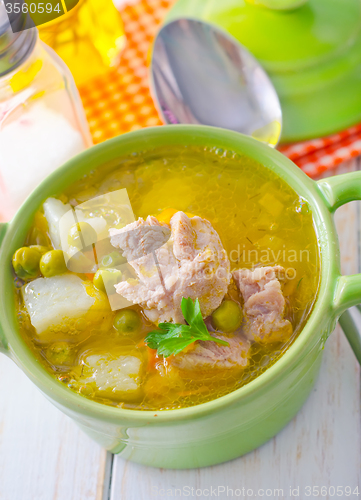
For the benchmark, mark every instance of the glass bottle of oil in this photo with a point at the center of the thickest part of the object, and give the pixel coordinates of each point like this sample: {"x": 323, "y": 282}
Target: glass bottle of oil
{"x": 42, "y": 121}
{"x": 89, "y": 38}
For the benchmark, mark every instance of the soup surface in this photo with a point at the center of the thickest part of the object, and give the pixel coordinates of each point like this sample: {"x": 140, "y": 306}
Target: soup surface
{"x": 104, "y": 352}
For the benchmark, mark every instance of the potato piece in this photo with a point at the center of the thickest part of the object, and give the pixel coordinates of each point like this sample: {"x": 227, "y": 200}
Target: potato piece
{"x": 54, "y": 210}
{"x": 61, "y": 217}
{"x": 64, "y": 304}
{"x": 117, "y": 375}
{"x": 271, "y": 204}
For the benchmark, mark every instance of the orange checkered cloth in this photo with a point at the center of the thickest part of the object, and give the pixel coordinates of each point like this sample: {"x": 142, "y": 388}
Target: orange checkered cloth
{"x": 120, "y": 101}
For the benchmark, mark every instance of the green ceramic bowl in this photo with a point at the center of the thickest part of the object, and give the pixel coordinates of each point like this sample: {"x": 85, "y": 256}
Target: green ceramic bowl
{"x": 232, "y": 425}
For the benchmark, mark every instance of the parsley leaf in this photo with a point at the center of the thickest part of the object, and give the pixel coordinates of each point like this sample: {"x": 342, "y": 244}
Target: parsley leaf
{"x": 172, "y": 338}
{"x": 193, "y": 316}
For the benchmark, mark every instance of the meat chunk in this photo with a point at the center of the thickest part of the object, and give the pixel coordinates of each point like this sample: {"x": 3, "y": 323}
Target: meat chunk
{"x": 264, "y": 303}
{"x": 192, "y": 263}
{"x": 140, "y": 238}
{"x": 209, "y": 354}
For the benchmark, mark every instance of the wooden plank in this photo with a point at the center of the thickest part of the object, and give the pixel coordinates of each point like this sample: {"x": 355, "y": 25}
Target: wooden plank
{"x": 43, "y": 455}
{"x": 320, "y": 447}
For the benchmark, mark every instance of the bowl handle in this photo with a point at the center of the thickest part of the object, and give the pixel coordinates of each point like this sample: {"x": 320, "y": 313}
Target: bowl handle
{"x": 338, "y": 191}
{"x": 3, "y": 341}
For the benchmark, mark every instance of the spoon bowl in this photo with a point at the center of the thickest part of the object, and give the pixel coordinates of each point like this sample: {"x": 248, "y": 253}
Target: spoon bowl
{"x": 202, "y": 75}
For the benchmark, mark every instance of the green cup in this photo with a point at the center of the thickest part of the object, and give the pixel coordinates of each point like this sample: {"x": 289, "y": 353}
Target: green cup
{"x": 234, "y": 424}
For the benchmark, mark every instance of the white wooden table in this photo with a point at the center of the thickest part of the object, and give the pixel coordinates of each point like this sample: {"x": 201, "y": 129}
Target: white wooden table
{"x": 43, "y": 455}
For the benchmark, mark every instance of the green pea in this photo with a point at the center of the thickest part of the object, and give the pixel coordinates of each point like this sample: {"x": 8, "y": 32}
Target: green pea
{"x": 59, "y": 353}
{"x": 82, "y": 235}
{"x": 26, "y": 263}
{"x": 228, "y": 317}
{"x": 52, "y": 263}
{"x": 105, "y": 279}
{"x": 127, "y": 322}
{"x": 112, "y": 260}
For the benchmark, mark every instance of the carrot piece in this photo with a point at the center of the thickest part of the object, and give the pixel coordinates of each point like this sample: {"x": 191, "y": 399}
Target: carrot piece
{"x": 152, "y": 359}
{"x": 168, "y": 213}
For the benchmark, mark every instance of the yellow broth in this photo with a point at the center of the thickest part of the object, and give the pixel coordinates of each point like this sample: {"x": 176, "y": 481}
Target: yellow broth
{"x": 261, "y": 221}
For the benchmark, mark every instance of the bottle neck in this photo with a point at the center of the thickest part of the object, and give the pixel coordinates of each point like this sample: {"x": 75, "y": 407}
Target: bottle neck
{"x": 16, "y": 47}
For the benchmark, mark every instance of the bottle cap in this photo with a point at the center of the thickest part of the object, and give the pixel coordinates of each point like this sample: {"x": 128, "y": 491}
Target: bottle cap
{"x": 17, "y": 39}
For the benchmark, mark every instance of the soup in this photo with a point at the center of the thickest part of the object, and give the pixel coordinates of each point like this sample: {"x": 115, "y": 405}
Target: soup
{"x": 168, "y": 278}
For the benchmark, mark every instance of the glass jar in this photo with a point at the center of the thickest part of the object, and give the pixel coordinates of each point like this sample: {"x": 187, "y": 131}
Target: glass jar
{"x": 42, "y": 121}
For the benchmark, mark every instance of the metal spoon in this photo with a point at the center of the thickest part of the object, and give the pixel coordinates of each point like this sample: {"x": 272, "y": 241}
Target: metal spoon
{"x": 202, "y": 75}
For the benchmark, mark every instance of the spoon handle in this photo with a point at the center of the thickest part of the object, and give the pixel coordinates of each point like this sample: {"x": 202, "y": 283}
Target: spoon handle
{"x": 352, "y": 333}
